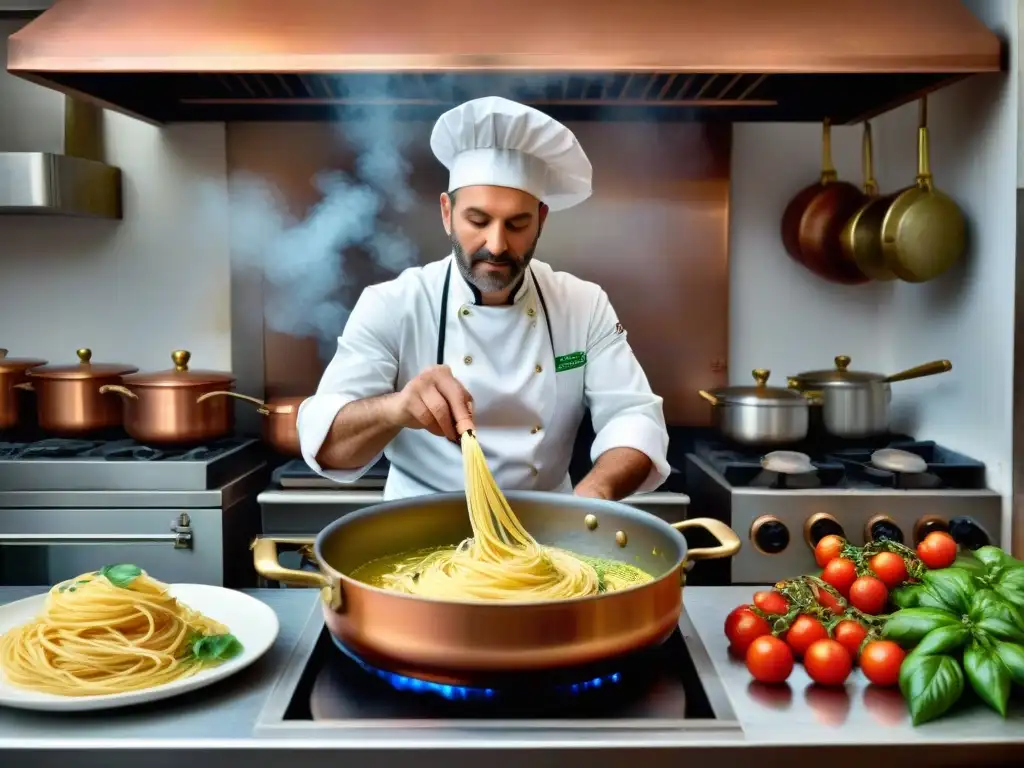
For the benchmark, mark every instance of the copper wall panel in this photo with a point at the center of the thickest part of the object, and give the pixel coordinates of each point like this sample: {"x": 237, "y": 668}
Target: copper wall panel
{"x": 654, "y": 236}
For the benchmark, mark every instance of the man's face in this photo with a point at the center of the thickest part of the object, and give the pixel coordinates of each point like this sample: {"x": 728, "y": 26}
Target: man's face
{"x": 494, "y": 232}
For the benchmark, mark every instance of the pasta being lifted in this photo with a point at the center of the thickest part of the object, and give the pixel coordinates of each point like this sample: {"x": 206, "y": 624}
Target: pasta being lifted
{"x": 112, "y": 631}
{"x": 502, "y": 561}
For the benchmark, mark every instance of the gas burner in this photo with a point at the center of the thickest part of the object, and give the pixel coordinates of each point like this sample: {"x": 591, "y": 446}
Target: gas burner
{"x": 122, "y": 449}
{"x": 467, "y": 693}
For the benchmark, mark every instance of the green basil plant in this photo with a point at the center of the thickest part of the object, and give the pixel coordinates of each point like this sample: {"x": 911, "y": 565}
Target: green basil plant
{"x": 961, "y": 621}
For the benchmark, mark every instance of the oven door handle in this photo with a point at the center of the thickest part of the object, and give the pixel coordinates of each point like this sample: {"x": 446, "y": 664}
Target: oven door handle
{"x": 180, "y": 537}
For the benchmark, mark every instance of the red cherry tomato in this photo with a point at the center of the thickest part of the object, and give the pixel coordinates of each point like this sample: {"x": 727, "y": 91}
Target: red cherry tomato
{"x": 771, "y": 603}
{"x": 769, "y": 659}
{"x": 827, "y": 662}
{"x": 880, "y": 661}
{"x": 938, "y": 550}
{"x": 742, "y": 627}
{"x": 826, "y": 600}
{"x": 803, "y": 632}
{"x": 869, "y": 595}
{"x": 850, "y": 634}
{"x": 827, "y": 549}
{"x": 889, "y": 568}
{"x": 840, "y": 573}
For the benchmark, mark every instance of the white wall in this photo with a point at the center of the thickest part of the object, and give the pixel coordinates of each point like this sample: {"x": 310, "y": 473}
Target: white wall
{"x": 785, "y": 318}
{"x": 132, "y": 290}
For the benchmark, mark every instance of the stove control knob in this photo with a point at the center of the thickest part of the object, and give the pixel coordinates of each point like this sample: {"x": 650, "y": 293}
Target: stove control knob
{"x": 882, "y": 527}
{"x": 926, "y": 525}
{"x": 820, "y": 525}
{"x": 769, "y": 535}
{"x": 968, "y": 533}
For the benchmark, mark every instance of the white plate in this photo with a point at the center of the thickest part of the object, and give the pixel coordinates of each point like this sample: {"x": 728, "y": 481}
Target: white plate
{"x": 252, "y": 622}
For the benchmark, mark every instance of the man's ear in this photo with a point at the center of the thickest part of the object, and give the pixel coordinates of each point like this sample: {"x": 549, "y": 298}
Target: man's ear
{"x": 447, "y": 206}
{"x": 542, "y": 214}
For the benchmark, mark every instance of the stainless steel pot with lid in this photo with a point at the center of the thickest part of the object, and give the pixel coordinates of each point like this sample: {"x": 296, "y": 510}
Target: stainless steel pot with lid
{"x": 759, "y": 415}
{"x": 857, "y": 403}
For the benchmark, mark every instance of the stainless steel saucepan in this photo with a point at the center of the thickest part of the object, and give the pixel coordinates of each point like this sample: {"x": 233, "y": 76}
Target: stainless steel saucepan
{"x": 760, "y": 415}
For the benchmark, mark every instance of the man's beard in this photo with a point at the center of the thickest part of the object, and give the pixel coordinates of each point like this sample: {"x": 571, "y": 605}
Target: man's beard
{"x": 492, "y": 281}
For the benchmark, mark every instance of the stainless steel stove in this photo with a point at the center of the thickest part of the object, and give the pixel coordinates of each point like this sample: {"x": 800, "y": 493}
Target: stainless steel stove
{"x": 184, "y": 515}
{"x": 781, "y": 517}
{"x": 325, "y": 690}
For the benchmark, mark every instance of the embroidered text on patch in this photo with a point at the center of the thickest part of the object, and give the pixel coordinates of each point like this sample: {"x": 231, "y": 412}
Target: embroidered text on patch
{"x": 570, "y": 361}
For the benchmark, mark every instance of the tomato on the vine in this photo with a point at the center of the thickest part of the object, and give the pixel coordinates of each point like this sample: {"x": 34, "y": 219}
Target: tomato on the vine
{"x": 827, "y": 662}
{"x": 742, "y": 627}
{"x": 769, "y": 659}
{"x": 828, "y": 549}
{"x": 826, "y": 600}
{"x": 772, "y": 603}
{"x": 850, "y": 634}
{"x": 889, "y": 568}
{"x": 869, "y": 595}
{"x": 881, "y": 660}
{"x": 804, "y": 631}
{"x": 840, "y": 573}
{"x": 938, "y": 550}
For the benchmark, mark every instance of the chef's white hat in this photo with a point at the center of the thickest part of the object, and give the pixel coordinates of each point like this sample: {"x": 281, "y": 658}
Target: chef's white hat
{"x": 500, "y": 143}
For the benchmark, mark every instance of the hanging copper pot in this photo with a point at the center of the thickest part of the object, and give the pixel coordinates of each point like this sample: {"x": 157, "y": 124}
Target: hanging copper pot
{"x": 164, "y": 408}
{"x": 280, "y": 430}
{"x": 68, "y": 400}
{"x": 13, "y": 378}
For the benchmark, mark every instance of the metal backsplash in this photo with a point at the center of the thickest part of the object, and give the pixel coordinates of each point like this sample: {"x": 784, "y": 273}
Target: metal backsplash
{"x": 654, "y": 236}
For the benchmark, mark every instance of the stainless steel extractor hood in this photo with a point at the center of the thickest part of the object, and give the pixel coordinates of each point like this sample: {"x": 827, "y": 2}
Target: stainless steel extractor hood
{"x": 74, "y": 183}
{"x": 737, "y": 60}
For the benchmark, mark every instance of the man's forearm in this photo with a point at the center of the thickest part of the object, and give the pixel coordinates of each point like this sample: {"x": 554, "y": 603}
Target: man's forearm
{"x": 617, "y": 473}
{"x": 360, "y": 431}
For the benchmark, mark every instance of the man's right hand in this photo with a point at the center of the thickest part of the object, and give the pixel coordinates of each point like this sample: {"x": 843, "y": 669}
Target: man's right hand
{"x": 434, "y": 401}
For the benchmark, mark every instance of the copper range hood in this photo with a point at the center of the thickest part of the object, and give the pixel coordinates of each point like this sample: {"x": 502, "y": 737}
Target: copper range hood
{"x": 737, "y": 60}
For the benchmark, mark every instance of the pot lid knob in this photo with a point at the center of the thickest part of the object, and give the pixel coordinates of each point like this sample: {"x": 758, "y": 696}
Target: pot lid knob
{"x": 842, "y": 362}
{"x": 761, "y": 376}
{"x": 181, "y": 358}
{"x": 84, "y": 355}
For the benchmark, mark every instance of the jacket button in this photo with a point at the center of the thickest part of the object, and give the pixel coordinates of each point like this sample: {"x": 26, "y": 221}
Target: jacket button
{"x": 531, "y": 312}
{"x": 465, "y": 310}
{"x": 535, "y": 430}
{"x": 533, "y": 471}
{"x": 537, "y": 368}
{"x": 468, "y": 359}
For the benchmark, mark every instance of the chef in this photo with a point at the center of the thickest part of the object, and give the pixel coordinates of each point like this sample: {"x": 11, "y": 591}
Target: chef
{"x": 489, "y": 336}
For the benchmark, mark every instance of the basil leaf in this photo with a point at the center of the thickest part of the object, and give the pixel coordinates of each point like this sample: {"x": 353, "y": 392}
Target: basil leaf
{"x": 121, "y": 575}
{"x": 968, "y": 562}
{"x": 1012, "y": 577}
{"x": 1000, "y": 628}
{"x": 953, "y": 587}
{"x": 1012, "y": 594}
{"x": 906, "y": 596}
{"x": 988, "y": 677}
{"x": 909, "y": 626}
{"x": 930, "y": 685}
{"x": 216, "y": 647}
{"x": 1012, "y": 656}
{"x": 943, "y": 640}
{"x": 991, "y": 557}
{"x": 989, "y": 603}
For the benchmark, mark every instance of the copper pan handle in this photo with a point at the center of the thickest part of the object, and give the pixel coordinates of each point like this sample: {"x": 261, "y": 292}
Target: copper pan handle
{"x": 708, "y": 396}
{"x": 729, "y": 542}
{"x": 117, "y": 389}
{"x": 263, "y": 410}
{"x": 828, "y": 168}
{"x": 268, "y": 565}
{"x": 918, "y": 371}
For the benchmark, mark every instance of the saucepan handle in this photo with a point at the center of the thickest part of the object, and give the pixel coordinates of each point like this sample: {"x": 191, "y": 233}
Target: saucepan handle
{"x": 268, "y": 565}
{"x": 728, "y": 542}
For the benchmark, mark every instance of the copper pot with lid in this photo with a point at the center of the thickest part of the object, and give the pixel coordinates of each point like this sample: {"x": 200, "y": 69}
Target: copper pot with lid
{"x": 164, "y": 408}
{"x": 854, "y": 403}
{"x": 68, "y": 398}
{"x": 13, "y": 377}
{"x": 280, "y": 430}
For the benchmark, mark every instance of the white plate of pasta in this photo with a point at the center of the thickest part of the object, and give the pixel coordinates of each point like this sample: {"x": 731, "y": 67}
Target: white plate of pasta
{"x": 117, "y": 636}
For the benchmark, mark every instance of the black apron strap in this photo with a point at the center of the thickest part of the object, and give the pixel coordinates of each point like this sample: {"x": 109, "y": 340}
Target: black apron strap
{"x": 442, "y": 321}
{"x": 547, "y": 315}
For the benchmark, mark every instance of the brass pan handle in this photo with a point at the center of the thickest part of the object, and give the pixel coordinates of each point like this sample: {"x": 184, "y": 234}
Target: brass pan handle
{"x": 918, "y": 371}
{"x": 268, "y": 565}
{"x": 263, "y": 410}
{"x": 708, "y": 396}
{"x": 117, "y": 389}
{"x": 729, "y": 542}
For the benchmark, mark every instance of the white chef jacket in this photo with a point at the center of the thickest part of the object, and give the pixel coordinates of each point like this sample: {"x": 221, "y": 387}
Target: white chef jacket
{"x": 530, "y": 388}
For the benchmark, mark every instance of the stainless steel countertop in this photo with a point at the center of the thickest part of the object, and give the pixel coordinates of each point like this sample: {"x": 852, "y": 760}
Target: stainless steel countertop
{"x": 215, "y": 726}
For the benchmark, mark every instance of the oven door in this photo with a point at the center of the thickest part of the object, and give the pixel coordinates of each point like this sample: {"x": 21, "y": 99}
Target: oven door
{"x": 40, "y": 546}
